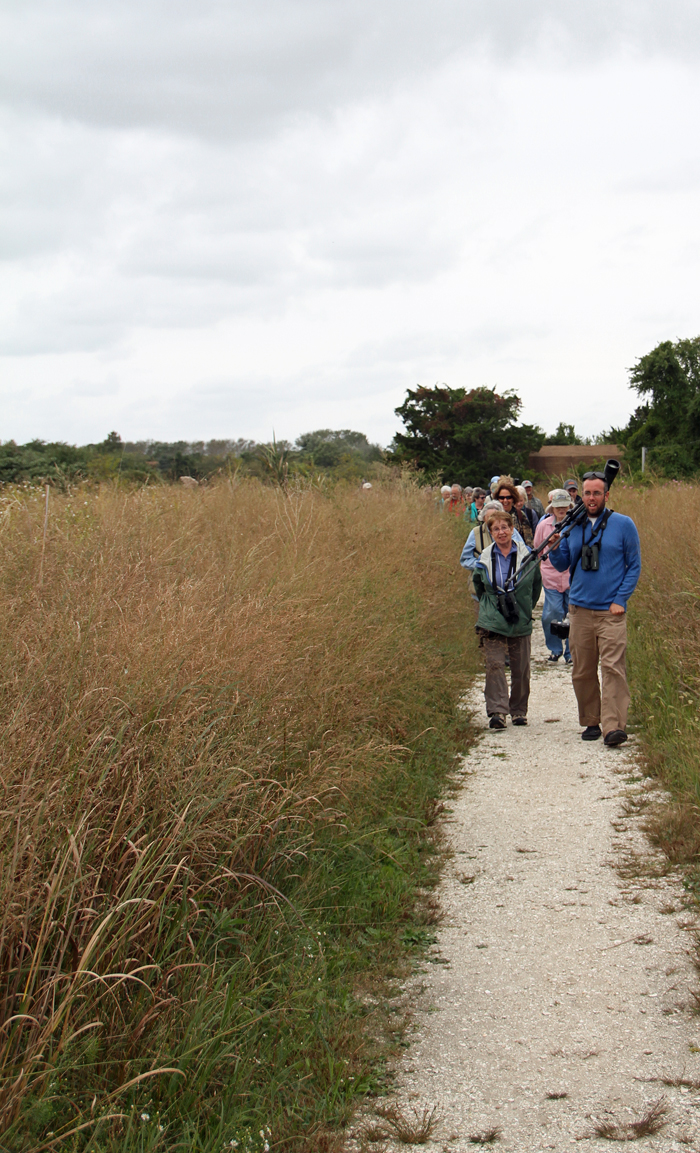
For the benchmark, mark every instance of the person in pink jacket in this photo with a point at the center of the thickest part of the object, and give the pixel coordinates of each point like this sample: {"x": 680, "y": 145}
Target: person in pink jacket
{"x": 556, "y": 584}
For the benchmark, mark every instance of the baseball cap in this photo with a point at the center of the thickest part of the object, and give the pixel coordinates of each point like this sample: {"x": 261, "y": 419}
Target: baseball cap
{"x": 494, "y": 479}
{"x": 527, "y": 484}
{"x": 559, "y": 498}
{"x": 571, "y": 484}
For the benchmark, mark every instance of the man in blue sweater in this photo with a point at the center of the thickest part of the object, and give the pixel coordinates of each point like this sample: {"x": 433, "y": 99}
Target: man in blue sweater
{"x": 605, "y": 562}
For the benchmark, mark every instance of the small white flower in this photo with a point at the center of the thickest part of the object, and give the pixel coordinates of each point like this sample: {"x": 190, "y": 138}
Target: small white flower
{"x": 145, "y": 1116}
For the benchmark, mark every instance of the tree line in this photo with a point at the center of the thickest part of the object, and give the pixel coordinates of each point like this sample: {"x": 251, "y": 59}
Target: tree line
{"x": 345, "y": 453}
{"x": 451, "y": 434}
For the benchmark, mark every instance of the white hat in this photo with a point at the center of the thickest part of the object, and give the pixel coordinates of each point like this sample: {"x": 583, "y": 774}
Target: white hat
{"x": 559, "y": 498}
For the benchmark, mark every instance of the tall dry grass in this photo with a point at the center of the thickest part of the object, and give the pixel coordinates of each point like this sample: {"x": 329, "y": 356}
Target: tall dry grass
{"x": 226, "y": 714}
{"x": 664, "y": 653}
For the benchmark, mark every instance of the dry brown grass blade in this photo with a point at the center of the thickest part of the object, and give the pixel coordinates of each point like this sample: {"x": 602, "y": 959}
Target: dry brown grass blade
{"x": 486, "y": 1136}
{"x": 653, "y": 1120}
{"x": 411, "y": 1128}
{"x": 56, "y": 1141}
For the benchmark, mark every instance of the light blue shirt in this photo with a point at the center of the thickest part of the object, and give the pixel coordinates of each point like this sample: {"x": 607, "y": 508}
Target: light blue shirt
{"x": 503, "y": 564}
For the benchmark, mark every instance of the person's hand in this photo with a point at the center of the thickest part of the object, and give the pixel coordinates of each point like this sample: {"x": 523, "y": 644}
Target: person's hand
{"x": 553, "y": 541}
{"x": 616, "y": 610}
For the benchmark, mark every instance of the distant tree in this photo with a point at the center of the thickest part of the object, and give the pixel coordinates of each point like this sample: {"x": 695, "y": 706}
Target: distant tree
{"x": 565, "y": 434}
{"x": 465, "y": 436}
{"x": 111, "y": 443}
{"x": 327, "y": 448}
{"x": 668, "y": 421}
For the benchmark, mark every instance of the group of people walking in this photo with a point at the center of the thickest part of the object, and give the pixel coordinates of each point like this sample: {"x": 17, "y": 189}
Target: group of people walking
{"x": 588, "y": 576}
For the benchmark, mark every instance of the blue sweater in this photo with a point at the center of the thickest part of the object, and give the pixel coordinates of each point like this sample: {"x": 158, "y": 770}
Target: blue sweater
{"x": 620, "y": 564}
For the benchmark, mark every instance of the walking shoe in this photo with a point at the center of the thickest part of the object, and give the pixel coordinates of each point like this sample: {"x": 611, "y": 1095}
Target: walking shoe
{"x": 592, "y": 733}
{"x": 519, "y": 720}
{"x": 498, "y": 721}
{"x": 615, "y": 737}
{"x": 553, "y": 659}
{"x": 568, "y": 660}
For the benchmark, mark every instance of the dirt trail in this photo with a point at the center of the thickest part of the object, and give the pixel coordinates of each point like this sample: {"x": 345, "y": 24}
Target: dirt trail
{"x": 555, "y": 973}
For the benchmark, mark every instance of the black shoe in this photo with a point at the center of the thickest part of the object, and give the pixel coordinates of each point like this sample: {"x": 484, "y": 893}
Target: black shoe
{"x": 519, "y": 720}
{"x": 497, "y": 721}
{"x": 615, "y": 737}
{"x": 592, "y": 733}
{"x": 553, "y": 659}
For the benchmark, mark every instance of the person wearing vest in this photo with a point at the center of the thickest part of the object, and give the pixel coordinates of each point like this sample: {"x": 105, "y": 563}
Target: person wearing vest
{"x": 504, "y": 623}
{"x": 480, "y": 537}
{"x": 604, "y": 560}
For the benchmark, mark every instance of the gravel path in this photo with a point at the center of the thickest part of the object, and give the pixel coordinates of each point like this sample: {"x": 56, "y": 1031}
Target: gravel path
{"x": 560, "y": 993}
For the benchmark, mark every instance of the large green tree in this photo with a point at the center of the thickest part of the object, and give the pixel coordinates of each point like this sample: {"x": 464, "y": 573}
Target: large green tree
{"x": 465, "y": 437}
{"x": 668, "y": 422}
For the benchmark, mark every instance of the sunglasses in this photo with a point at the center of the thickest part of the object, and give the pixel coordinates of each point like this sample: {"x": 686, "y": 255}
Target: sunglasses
{"x": 594, "y": 476}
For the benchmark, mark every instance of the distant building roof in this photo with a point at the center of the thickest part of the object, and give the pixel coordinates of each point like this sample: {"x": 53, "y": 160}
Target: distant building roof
{"x": 553, "y": 459}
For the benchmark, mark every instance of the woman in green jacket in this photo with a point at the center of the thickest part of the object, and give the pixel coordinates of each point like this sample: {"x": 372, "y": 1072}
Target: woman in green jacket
{"x": 504, "y": 624}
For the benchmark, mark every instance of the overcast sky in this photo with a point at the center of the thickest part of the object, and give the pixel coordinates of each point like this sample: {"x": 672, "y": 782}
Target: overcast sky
{"x": 220, "y": 218}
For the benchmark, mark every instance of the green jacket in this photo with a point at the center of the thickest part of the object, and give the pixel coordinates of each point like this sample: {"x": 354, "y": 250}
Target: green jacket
{"x": 527, "y": 592}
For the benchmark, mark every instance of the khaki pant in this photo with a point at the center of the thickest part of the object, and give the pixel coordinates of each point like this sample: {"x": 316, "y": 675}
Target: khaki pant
{"x": 496, "y": 689}
{"x": 600, "y": 636}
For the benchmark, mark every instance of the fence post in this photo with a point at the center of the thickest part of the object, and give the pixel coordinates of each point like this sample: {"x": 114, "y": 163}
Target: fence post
{"x": 43, "y": 542}
{"x": 644, "y": 459}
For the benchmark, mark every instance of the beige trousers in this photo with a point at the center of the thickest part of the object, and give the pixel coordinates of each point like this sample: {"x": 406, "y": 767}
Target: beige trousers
{"x": 600, "y": 636}
{"x": 498, "y": 699}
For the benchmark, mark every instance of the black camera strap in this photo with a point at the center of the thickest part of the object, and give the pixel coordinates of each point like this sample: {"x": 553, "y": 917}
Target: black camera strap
{"x": 596, "y": 533}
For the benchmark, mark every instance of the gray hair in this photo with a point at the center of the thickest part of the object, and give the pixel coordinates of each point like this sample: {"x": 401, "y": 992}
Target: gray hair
{"x": 490, "y": 505}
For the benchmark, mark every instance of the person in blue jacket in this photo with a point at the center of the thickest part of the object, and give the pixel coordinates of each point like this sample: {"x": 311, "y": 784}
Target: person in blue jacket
{"x": 605, "y": 561}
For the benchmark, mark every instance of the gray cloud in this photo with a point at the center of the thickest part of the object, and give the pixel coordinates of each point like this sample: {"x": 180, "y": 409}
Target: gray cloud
{"x": 236, "y": 70}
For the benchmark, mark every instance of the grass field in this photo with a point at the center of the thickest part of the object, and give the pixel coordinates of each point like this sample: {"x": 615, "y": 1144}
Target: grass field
{"x": 228, "y": 715}
{"x": 664, "y": 656}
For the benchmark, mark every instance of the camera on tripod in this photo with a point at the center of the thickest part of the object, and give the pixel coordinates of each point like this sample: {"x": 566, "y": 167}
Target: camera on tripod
{"x": 560, "y": 628}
